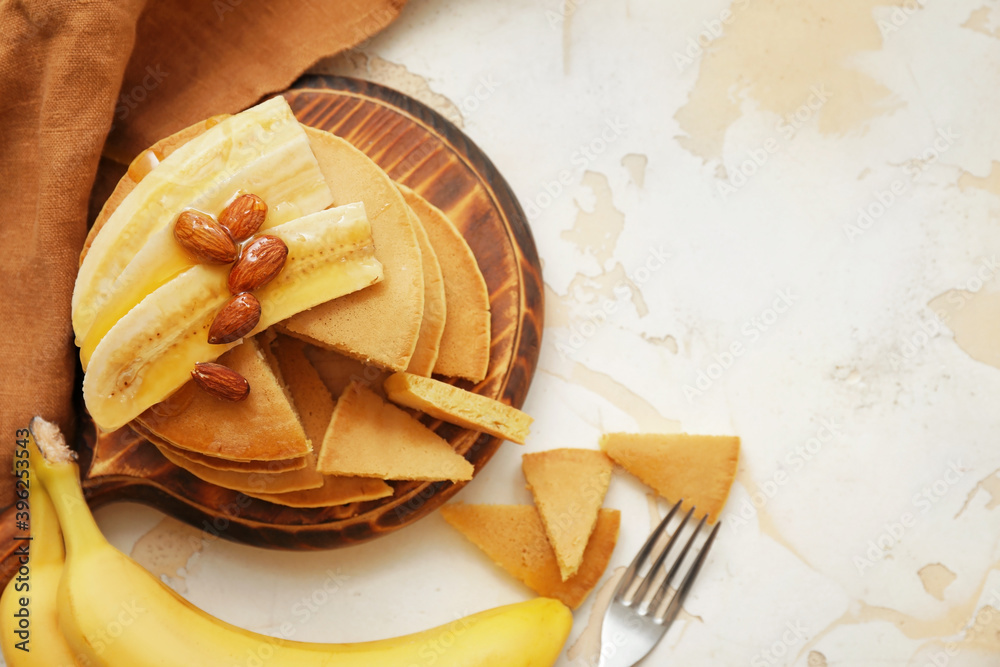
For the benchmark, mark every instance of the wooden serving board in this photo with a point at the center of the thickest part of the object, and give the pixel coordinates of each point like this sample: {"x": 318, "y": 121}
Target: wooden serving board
{"x": 421, "y": 149}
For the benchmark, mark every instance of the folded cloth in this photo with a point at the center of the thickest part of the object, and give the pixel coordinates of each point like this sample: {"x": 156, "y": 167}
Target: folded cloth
{"x": 75, "y": 74}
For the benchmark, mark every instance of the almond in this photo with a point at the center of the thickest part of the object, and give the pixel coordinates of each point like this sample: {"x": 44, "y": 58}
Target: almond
{"x": 221, "y": 381}
{"x": 236, "y": 319}
{"x": 261, "y": 260}
{"x": 244, "y": 216}
{"x": 204, "y": 238}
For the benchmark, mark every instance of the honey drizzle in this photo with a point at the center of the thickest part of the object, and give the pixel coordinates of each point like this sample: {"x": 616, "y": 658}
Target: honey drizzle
{"x": 144, "y": 163}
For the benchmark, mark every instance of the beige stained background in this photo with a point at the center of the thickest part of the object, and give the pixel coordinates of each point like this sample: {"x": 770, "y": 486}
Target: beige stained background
{"x": 757, "y": 217}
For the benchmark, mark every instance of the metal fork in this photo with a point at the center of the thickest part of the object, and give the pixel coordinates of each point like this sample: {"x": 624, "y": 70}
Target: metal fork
{"x": 642, "y": 608}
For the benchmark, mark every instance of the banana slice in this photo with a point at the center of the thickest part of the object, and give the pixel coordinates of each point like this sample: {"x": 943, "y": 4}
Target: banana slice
{"x": 150, "y": 352}
{"x": 262, "y": 150}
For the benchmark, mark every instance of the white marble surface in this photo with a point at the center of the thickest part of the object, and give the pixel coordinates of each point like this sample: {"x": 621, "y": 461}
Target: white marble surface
{"x": 851, "y": 403}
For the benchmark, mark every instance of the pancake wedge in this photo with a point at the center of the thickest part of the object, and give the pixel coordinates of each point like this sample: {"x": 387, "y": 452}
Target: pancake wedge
{"x": 464, "y": 350}
{"x": 381, "y": 326}
{"x": 244, "y": 482}
{"x": 435, "y": 307}
{"x": 514, "y": 538}
{"x": 315, "y": 406}
{"x": 458, "y": 406}
{"x": 277, "y": 465}
{"x": 264, "y": 427}
{"x": 371, "y": 438}
{"x": 569, "y": 487}
{"x": 699, "y": 469}
{"x": 337, "y": 371}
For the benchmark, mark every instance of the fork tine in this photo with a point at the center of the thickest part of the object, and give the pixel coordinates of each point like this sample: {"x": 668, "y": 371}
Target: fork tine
{"x": 640, "y": 559}
{"x": 654, "y": 569}
{"x": 666, "y": 616}
{"x": 661, "y": 589}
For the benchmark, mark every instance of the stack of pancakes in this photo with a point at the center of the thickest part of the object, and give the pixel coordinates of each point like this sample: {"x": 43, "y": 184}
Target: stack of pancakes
{"x": 315, "y": 429}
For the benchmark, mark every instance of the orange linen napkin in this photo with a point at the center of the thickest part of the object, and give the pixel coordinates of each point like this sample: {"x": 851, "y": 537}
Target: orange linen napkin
{"x": 71, "y": 71}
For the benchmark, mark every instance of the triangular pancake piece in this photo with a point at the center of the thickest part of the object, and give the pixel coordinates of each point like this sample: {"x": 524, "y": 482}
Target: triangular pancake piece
{"x": 569, "y": 486}
{"x": 245, "y": 482}
{"x": 465, "y": 343}
{"x": 435, "y": 307}
{"x": 338, "y": 371}
{"x": 513, "y": 536}
{"x": 458, "y": 406}
{"x": 315, "y": 405}
{"x": 698, "y": 468}
{"x": 264, "y": 427}
{"x": 371, "y": 438}
{"x": 379, "y": 324}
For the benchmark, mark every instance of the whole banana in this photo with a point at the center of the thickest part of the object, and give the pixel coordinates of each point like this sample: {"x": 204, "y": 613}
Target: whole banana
{"x": 114, "y": 612}
{"x": 29, "y": 634}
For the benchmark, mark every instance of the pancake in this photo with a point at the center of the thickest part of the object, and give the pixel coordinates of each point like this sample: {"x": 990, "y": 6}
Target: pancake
{"x": 699, "y": 469}
{"x": 372, "y": 438}
{"x": 383, "y": 327}
{"x": 245, "y": 482}
{"x": 514, "y": 538}
{"x": 278, "y": 465}
{"x": 379, "y": 325}
{"x": 264, "y": 427}
{"x": 465, "y": 343}
{"x": 338, "y": 371}
{"x": 458, "y": 406}
{"x": 435, "y": 308}
{"x": 569, "y": 486}
{"x": 315, "y": 405}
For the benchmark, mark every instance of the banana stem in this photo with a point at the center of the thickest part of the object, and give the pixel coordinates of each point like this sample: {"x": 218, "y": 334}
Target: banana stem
{"x": 59, "y": 476}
